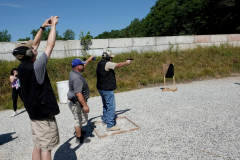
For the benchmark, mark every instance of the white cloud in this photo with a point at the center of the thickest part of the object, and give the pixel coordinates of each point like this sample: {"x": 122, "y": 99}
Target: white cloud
{"x": 10, "y": 5}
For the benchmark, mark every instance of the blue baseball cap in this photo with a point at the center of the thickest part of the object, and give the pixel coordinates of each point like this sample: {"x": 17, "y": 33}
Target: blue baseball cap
{"x": 76, "y": 62}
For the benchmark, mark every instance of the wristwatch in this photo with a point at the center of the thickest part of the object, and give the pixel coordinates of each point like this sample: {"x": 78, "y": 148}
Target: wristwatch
{"x": 43, "y": 28}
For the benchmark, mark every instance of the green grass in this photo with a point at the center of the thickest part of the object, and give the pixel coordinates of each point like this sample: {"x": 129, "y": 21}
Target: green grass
{"x": 145, "y": 70}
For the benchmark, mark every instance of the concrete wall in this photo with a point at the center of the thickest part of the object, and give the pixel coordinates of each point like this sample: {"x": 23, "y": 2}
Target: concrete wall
{"x": 120, "y": 45}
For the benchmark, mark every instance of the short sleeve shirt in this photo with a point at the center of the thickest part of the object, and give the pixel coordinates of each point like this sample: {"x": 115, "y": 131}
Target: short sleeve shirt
{"x": 40, "y": 67}
{"x": 110, "y": 65}
{"x": 78, "y": 84}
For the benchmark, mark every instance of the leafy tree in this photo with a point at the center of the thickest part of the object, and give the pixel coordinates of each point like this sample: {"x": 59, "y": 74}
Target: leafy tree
{"x": 69, "y": 35}
{"x": 4, "y": 36}
{"x": 85, "y": 41}
{"x": 24, "y": 39}
{"x": 60, "y": 38}
{"x": 104, "y": 35}
{"x": 173, "y": 17}
{"x": 115, "y": 34}
{"x": 44, "y": 34}
{"x": 122, "y": 34}
{"x": 184, "y": 17}
{"x": 135, "y": 28}
{"x": 223, "y": 17}
{"x": 112, "y": 34}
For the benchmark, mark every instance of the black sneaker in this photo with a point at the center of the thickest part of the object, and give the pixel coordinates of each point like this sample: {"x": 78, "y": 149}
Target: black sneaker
{"x": 80, "y": 139}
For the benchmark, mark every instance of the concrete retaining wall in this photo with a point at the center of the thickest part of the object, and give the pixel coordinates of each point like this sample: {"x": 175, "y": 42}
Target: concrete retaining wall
{"x": 120, "y": 45}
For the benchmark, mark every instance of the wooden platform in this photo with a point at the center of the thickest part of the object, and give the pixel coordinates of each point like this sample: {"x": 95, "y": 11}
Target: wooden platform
{"x": 93, "y": 124}
{"x": 166, "y": 89}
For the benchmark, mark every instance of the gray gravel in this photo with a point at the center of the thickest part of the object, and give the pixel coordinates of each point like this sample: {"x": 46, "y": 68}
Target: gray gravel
{"x": 201, "y": 120}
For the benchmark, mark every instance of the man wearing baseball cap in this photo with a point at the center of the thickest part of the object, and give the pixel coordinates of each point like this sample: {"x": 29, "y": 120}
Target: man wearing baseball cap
{"x": 106, "y": 83}
{"x": 38, "y": 95}
{"x": 78, "y": 94}
{"x": 23, "y": 52}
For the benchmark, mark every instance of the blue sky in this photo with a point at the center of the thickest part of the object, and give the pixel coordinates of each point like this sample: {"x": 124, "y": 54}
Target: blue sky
{"x": 96, "y": 16}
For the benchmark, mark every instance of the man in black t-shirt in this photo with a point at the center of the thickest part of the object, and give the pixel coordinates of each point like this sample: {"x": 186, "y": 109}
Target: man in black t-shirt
{"x": 39, "y": 99}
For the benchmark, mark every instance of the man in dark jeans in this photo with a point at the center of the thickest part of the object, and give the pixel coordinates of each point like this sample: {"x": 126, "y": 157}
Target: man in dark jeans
{"x": 38, "y": 95}
{"x": 106, "y": 83}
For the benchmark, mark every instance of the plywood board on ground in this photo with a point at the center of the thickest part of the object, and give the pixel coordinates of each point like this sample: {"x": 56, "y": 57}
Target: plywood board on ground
{"x": 124, "y": 123}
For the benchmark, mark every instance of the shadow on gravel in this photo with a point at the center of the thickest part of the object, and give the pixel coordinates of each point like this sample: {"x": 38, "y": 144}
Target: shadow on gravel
{"x": 237, "y": 83}
{"x": 5, "y": 138}
{"x": 88, "y": 128}
{"x": 65, "y": 152}
{"x": 120, "y": 112}
{"x": 21, "y": 112}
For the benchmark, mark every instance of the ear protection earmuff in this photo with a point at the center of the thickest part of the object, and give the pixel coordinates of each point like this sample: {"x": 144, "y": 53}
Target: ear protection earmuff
{"x": 107, "y": 56}
{"x": 23, "y": 51}
{"x": 30, "y": 53}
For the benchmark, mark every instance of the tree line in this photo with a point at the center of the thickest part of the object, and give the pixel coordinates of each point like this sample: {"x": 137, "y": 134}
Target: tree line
{"x": 67, "y": 35}
{"x": 170, "y": 18}
{"x": 183, "y": 17}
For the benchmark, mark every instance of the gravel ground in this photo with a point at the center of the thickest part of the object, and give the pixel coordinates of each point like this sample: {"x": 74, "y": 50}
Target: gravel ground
{"x": 201, "y": 120}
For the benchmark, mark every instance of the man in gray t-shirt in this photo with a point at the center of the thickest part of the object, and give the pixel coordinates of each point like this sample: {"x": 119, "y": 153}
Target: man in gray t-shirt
{"x": 78, "y": 94}
{"x": 40, "y": 67}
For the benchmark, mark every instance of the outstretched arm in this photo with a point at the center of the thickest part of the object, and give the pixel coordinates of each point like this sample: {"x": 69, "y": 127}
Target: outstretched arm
{"x": 51, "y": 37}
{"x": 38, "y": 37}
{"x": 119, "y": 65}
{"x": 89, "y": 59}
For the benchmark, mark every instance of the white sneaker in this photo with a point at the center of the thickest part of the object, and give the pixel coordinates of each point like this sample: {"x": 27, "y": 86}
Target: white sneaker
{"x": 14, "y": 114}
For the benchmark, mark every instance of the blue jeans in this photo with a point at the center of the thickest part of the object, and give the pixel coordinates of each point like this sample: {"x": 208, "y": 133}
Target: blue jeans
{"x": 109, "y": 106}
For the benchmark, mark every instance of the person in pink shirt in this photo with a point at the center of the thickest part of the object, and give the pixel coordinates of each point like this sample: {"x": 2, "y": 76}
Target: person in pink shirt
{"x": 16, "y": 89}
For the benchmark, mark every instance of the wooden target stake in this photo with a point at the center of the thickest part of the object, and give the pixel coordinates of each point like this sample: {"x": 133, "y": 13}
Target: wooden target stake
{"x": 168, "y": 70}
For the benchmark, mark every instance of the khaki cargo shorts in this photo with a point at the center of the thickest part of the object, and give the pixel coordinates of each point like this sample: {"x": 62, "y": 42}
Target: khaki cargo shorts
{"x": 45, "y": 133}
{"x": 79, "y": 116}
